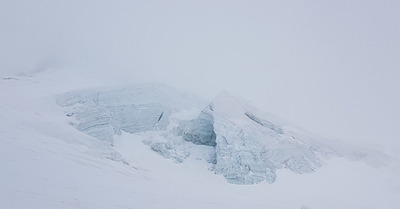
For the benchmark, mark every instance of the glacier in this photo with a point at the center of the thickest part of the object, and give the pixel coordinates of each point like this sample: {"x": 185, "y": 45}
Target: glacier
{"x": 48, "y": 163}
{"x": 250, "y": 149}
{"x": 103, "y": 113}
{"x": 239, "y": 142}
{"x": 199, "y": 130}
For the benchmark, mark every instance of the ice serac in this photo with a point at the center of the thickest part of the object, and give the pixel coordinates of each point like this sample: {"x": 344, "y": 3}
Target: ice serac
{"x": 249, "y": 148}
{"x": 238, "y": 141}
{"x": 102, "y": 113}
{"x": 199, "y": 130}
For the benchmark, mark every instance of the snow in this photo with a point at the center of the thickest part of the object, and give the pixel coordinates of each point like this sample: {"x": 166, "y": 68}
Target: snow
{"x": 46, "y": 163}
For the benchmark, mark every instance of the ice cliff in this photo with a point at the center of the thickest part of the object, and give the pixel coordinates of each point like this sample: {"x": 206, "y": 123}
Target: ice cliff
{"x": 102, "y": 113}
{"x": 249, "y": 148}
{"x": 239, "y": 142}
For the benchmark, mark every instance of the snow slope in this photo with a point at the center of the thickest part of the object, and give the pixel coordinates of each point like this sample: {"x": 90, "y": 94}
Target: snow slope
{"x": 238, "y": 141}
{"x": 47, "y": 163}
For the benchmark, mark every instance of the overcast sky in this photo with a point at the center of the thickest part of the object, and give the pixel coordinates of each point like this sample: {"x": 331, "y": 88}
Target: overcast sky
{"x": 332, "y": 66}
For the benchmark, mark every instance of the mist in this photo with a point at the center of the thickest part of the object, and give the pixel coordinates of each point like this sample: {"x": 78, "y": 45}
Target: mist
{"x": 331, "y": 67}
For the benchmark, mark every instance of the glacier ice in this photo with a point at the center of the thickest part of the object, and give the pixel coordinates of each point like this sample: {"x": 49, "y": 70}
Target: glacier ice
{"x": 249, "y": 149}
{"x": 168, "y": 150}
{"x": 103, "y": 113}
{"x": 199, "y": 130}
{"x": 240, "y": 143}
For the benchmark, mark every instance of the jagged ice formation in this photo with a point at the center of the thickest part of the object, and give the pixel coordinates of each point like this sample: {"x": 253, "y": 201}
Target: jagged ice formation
{"x": 239, "y": 142}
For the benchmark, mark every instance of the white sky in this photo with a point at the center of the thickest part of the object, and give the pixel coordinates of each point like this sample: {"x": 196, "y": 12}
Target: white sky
{"x": 332, "y": 67}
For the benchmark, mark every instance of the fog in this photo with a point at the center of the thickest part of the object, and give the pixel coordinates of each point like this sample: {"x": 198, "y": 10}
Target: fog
{"x": 332, "y": 67}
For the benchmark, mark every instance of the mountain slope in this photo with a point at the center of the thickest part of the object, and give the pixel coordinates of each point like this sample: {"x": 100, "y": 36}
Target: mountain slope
{"x": 47, "y": 163}
{"x": 237, "y": 140}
